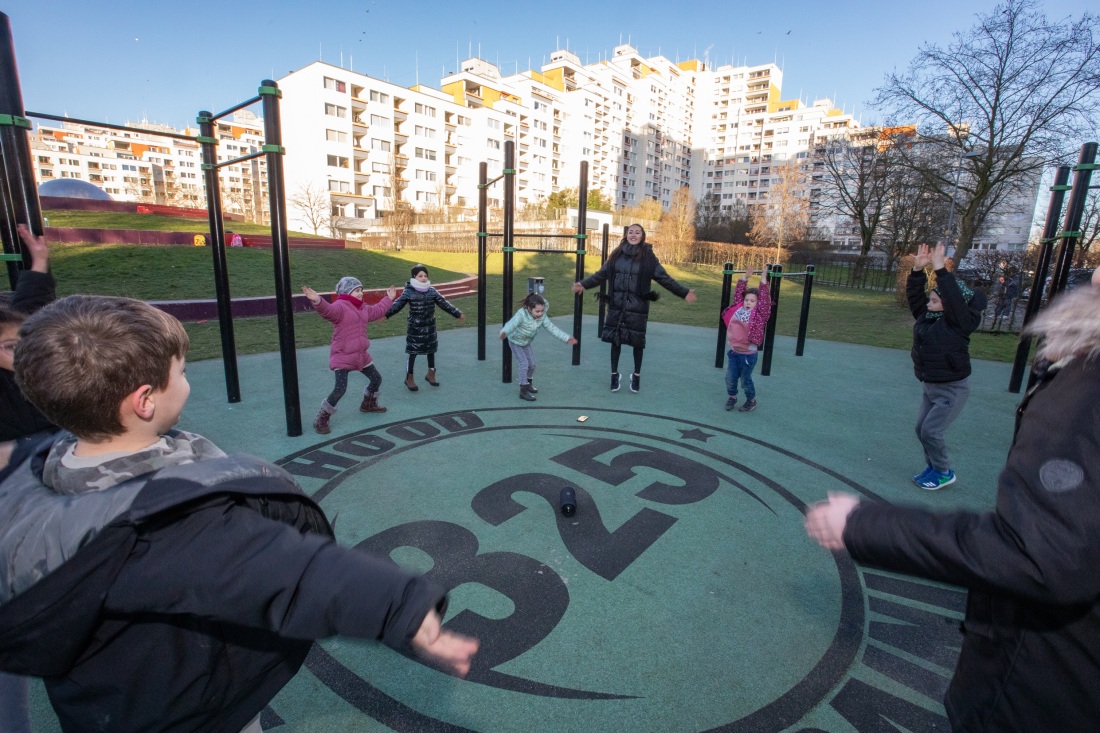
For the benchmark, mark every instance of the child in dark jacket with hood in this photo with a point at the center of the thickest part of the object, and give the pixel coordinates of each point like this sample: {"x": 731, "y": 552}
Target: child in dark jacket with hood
{"x": 349, "y": 316}
{"x": 946, "y": 317}
{"x": 422, "y": 338}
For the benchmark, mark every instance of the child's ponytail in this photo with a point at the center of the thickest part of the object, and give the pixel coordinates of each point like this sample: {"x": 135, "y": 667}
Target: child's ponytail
{"x": 532, "y": 300}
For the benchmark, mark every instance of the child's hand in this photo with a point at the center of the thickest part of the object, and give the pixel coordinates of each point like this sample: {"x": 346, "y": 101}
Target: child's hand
{"x": 691, "y": 297}
{"x": 503, "y": 335}
{"x": 826, "y": 520}
{"x": 40, "y": 253}
{"x": 391, "y": 292}
{"x": 577, "y": 288}
{"x": 922, "y": 259}
{"x": 462, "y": 317}
{"x": 452, "y": 651}
{"x": 939, "y": 256}
{"x": 571, "y": 341}
{"x": 311, "y": 294}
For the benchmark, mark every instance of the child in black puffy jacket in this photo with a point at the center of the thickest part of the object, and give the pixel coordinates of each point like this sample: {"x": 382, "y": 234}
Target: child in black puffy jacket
{"x": 421, "y": 338}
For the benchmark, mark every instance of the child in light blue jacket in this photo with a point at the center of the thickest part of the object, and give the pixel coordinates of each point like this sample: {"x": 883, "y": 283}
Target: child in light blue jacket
{"x": 521, "y": 331}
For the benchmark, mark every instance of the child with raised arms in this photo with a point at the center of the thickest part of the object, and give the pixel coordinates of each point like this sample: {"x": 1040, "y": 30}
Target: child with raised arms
{"x": 349, "y": 352}
{"x": 421, "y": 337}
{"x": 521, "y": 331}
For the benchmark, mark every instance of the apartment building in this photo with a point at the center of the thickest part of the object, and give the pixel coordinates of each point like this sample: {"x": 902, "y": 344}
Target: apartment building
{"x": 140, "y": 165}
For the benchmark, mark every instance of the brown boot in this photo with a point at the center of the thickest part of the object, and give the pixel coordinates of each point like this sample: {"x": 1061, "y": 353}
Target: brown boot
{"x": 370, "y": 403}
{"x": 431, "y": 378}
{"x": 320, "y": 423}
{"x": 411, "y": 383}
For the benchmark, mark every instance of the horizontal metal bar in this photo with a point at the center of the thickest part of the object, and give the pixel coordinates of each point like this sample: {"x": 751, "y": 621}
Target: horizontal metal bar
{"x": 79, "y": 121}
{"x": 231, "y": 110}
{"x": 241, "y": 159}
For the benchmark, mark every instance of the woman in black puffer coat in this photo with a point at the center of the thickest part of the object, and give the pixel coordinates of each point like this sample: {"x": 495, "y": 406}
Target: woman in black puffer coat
{"x": 421, "y": 338}
{"x": 630, "y": 271}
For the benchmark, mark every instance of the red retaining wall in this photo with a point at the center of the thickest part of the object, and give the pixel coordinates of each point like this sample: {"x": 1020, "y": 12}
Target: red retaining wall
{"x": 72, "y": 235}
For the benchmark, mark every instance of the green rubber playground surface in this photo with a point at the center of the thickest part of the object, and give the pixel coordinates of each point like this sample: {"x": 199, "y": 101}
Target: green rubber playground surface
{"x": 683, "y": 595}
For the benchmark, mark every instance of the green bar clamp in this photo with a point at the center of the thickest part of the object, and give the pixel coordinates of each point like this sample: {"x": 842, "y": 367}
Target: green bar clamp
{"x": 15, "y": 121}
{"x": 206, "y": 140}
{"x": 1067, "y": 235}
{"x": 269, "y": 148}
{"x": 11, "y": 258}
{"x": 1061, "y": 188}
{"x": 1086, "y": 166}
{"x": 483, "y": 234}
{"x": 200, "y": 119}
{"x": 580, "y": 236}
{"x": 507, "y": 249}
{"x": 276, "y": 91}
{"x": 208, "y": 166}
{"x": 509, "y": 170}
{"x": 729, "y": 272}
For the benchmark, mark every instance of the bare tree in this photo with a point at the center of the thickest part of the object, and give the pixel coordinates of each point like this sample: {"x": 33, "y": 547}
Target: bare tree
{"x": 1090, "y": 231}
{"x": 855, "y": 170}
{"x": 313, "y": 203}
{"x": 914, "y": 213}
{"x": 400, "y": 215}
{"x": 784, "y": 216}
{"x": 1002, "y": 99}
{"x": 678, "y": 225}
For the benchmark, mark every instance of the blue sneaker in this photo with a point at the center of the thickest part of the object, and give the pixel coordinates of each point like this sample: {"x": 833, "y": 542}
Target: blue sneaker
{"x": 936, "y": 480}
{"x": 920, "y": 477}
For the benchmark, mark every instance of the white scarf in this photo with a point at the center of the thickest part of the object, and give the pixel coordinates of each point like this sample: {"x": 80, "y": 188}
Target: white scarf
{"x": 421, "y": 286}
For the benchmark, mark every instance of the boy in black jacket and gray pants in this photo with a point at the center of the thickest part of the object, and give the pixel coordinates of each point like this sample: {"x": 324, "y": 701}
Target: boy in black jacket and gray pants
{"x": 152, "y": 580}
{"x": 946, "y": 316}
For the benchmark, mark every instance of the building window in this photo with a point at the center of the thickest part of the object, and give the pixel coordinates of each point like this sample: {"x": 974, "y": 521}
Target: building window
{"x": 425, "y": 175}
{"x": 379, "y": 96}
{"x": 425, "y": 132}
{"x": 337, "y": 161}
{"x": 333, "y": 110}
{"x": 338, "y": 186}
{"x": 425, "y": 153}
{"x": 383, "y": 145}
{"x": 493, "y": 144}
{"x": 380, "y": 167}
{"x": 334, "y": 85}
{"x": 382, "y": 191}
{"x": 423, "y": 109}
{"x": 380, "y": 121}
{"x": 336, "y": 136}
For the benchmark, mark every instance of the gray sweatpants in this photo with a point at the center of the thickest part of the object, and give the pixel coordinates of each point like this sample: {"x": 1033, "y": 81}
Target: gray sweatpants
{"x": 940, "y": 405}
{"x": 525, "y": 355}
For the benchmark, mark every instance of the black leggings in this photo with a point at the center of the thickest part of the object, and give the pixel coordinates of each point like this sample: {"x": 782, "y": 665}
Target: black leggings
{"x": 616, "y": 350}
{"x": 370, "y": 372}
{"x": 412, "y": 359}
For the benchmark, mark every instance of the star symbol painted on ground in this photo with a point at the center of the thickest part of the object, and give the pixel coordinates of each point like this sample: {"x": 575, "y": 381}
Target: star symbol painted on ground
{"x": 694, "y": 434}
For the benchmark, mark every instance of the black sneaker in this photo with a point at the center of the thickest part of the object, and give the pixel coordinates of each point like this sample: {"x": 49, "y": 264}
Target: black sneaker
{"x": 531, "y": 388}
{"x": 731, "y": 403}
{"x": 748, "y": 406}
{"x": 635, "y": 382}
{"x": 614, "y": 381}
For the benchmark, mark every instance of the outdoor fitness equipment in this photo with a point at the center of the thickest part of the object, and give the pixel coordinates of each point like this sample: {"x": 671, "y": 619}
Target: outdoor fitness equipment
{"x": 508, "y": 248}
{"x": 19, "y": 203}
{"x": 775, "y": 275}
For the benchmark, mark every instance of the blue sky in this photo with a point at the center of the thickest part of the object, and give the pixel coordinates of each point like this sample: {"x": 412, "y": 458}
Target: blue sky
{"x": 119, "y": 60}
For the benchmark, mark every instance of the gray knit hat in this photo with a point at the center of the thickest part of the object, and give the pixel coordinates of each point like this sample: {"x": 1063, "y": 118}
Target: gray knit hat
{"x": 346, "y": 285}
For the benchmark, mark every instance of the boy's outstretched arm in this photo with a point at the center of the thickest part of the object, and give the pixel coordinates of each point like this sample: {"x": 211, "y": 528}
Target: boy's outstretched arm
{"x": 452, "y": 651}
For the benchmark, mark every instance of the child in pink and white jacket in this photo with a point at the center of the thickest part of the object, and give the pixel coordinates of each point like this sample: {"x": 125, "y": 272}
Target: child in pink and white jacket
{"x": 745, "y": 322}
{"x": 349, "y": 316}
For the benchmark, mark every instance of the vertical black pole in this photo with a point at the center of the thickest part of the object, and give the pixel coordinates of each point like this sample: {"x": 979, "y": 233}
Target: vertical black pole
{"x": 727, "y": 288}
{"x": 804, "y": 315}
{"x": 603, "y": 285}
{"x": 208, "y": 141}
{"x": 1075, "y": 209}
{"x": 21, "y": 202}
{"x": 776, "y": 278}
{"x": 1046, "y": 246}
{"x": 509, "y": 249}
{"x": 482, "y": 253}
{"x": 582, "y": 228}
{"x": 276, "y": 189}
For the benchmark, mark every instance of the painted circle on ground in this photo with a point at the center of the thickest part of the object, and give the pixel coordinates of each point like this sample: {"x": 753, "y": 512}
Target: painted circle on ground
{"x": 684, "y": 575}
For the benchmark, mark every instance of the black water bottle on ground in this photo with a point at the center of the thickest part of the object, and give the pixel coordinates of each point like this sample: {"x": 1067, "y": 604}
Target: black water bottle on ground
{"x": 568, "y": 501}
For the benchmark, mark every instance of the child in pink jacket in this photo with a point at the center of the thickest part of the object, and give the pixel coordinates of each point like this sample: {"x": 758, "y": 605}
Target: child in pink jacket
{"x": 349, "y": 316}
{"x": 745, "y": 322}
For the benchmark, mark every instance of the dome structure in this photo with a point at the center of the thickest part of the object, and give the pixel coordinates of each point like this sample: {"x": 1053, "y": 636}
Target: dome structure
{"x": 73, "y": 188}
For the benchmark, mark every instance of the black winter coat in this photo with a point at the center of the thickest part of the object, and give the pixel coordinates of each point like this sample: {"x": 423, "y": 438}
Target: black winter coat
{"x": 629, "y": 277}
{"x": 422, "y": 337}
{"x": 1031, "y": 648}
{"x": 941, "y": 346}
{"x": 18, "y": 417}
{"x": 194, "y": 606}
